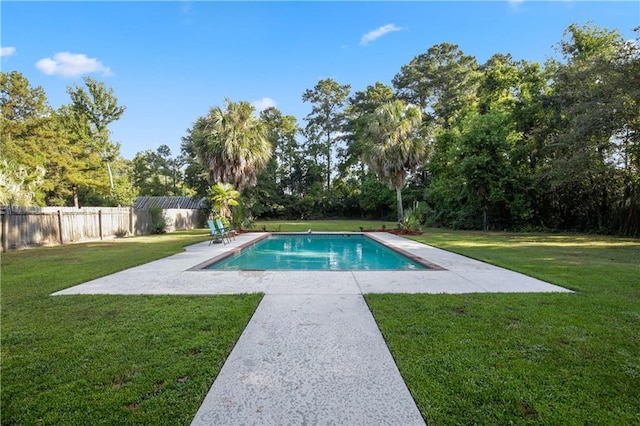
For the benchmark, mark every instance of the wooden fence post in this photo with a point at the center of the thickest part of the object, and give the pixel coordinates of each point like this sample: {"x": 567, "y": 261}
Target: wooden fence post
{"x": 5, "y": 228}
{"x": 131, "y": 221}
{"x": 100, "y": 223}
{"x": 60, "y": 226}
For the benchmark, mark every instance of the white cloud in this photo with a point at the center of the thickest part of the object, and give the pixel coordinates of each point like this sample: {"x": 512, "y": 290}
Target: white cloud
{"x": 7, "y": 51}
{"x": 68, "y": 64}
{"x": 186, "y": 12}
{"x": 263, "y": 104}
{"x": 185, "y": 7}
{"x": 515, "y": 4}
{"x": 377, "y": 33}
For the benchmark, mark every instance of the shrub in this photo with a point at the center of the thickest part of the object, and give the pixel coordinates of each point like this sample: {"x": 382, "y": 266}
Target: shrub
{"x": 158, "y": 220}
{"x": 415, "y": 216}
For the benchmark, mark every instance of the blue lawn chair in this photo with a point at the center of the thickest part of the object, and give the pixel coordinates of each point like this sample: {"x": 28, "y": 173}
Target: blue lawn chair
{"x": 229, "y": 233}
{"x": 216, "y": 234}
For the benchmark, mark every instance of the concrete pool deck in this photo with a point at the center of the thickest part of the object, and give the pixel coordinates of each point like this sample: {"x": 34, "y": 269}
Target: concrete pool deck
{"x": 174, "y": 275}
{"x": 312, "y": 352}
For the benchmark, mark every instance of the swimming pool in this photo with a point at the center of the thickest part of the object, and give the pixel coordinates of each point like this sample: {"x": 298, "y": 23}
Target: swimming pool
{"x": 326, "y": 252}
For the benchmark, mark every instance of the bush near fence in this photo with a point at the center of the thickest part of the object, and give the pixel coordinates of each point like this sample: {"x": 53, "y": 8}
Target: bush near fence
{"x": 25, "y": 227}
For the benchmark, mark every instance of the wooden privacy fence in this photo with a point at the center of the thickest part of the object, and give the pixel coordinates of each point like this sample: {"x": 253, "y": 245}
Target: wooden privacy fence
{"x": 24, "y": 227}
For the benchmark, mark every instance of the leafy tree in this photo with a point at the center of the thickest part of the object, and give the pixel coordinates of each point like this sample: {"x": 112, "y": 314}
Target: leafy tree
{"x": 498, "y": 84}
{"x": 442, "y": 81}
{"x": 306, "y": 175}
{"x": 195, "y": 174}
{"x": 168, "y": 169}
{"x": 71, "y": 166}
{"x": 147, "y": 175}
{"x": 326, "y": 122}
{"x": 508, "y": 133}
{"x": 376, "y": 199}
{"x": 592, "y": 107}
{"x": 482, "y": 170}
{"x": 282, "y": 131}
{"x": 94, "y": 108}
{"x": 25, "y": 120}
{"x": 34, "y": 137}
{"x": 124, "y": 192}
{"x": 392, "y": 146}
{"x": 531, "y": 113}
{"x": 157, "y": 173}
{"x": 483, "y": 161}
{"x": 276, "y": 189}
{"x": 366, "y": 101}
{"x": 18, "y": 185}
{"x": 627, "y": 138}
{"x": 231, "y": 144}
{"x": 360, "y": 106}
{"x": 347, "y": 193}
{"x": 21, "y": 104}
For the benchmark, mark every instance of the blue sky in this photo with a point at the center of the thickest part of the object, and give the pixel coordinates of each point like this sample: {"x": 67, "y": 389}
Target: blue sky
{"x": 169, "y": 62}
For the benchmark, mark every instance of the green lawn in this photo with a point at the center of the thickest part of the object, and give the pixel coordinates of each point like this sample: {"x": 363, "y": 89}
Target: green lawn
{"x": 467, "y": 359}
{"x": 525, "y": 358}
{"x": 320, "y": 225}
{"x": 80, "y": 360}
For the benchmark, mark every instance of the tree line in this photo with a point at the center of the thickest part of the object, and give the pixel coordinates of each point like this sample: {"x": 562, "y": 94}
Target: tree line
{"x": 508, "y": 144}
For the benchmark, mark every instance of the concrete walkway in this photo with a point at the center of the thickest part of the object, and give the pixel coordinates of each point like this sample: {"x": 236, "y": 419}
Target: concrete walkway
{"x": 312, "y": 353}
{"x": 310, "y": 360}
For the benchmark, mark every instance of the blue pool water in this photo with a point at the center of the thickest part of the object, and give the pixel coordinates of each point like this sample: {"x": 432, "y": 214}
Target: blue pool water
{"x": 336, "y": 252}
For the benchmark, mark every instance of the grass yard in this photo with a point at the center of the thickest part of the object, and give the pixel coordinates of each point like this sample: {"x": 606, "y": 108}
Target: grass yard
{"x": 81, "y": 360}
{"x": 320, "y": 225}
{"x": 570, "y": 359}
{"x": 467, "y": 359}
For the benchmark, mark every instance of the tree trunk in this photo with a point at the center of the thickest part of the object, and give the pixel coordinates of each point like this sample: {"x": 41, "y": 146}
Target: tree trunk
{"x": 76, "y": 204}
{"x": 329, "y": 152}
{"x": 400, "y": 209}
{"x": 110, "y": 176}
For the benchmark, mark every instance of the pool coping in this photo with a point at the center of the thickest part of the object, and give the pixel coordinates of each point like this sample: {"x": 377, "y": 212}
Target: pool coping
{"x": 429, "y": 266}
{"x": 237, "y": 249}
{"x": 175, "y": 275}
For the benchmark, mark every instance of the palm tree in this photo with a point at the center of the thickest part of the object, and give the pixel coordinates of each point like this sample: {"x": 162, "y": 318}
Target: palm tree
{"x": 392, "y": 147}
{"x": 231, "y": 144}
{"x": 223, "y": 196}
